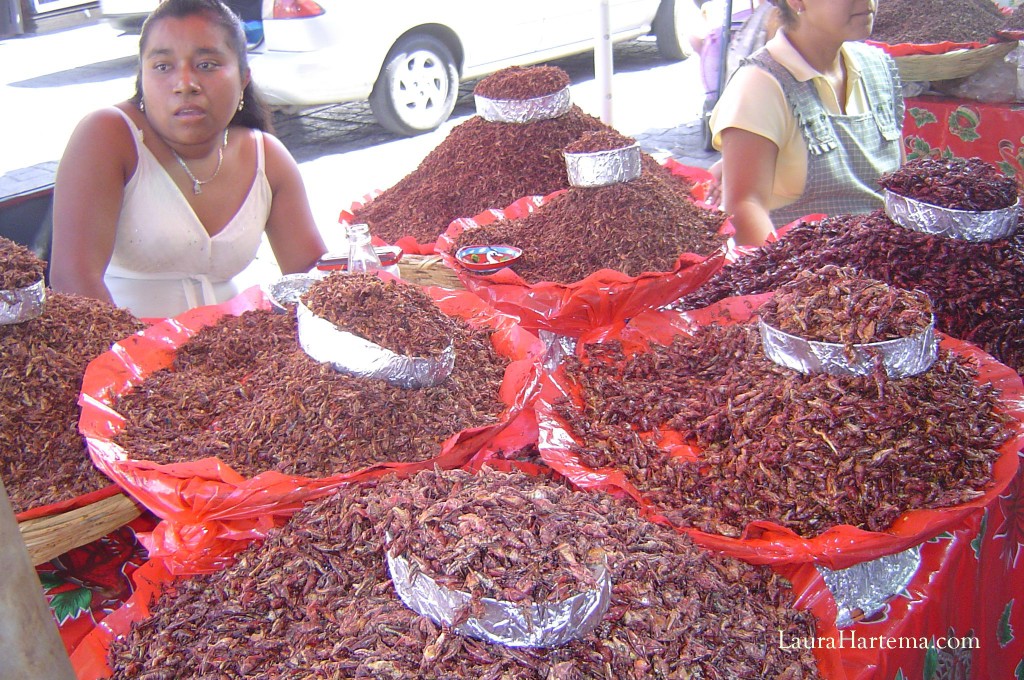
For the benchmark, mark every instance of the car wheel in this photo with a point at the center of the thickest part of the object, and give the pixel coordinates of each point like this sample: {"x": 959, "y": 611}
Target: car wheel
{"x": 671, "y": 26}
{"x": 417, "y": 86}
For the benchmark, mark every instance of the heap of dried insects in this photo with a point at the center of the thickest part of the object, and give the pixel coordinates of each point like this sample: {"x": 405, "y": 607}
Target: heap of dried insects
{"x": 807, "y": 451}
{"x": 21, "y": 267}
{"x": 955, "y": 183}
{"x": 976, "y": 289}
{"x": 834, "y": 304}
{"x": 602, "y": 140}
{"x": 315, "y": 599}
{"x": 396, "y": 316}
{"x": 243, "y": 390}
{"x": 936, "y": 21}
{"x": 43, "y": 458}
{"x": 522, "y": 82}
{"x": 482, "y": 165}
{"x": 643, "y": 225}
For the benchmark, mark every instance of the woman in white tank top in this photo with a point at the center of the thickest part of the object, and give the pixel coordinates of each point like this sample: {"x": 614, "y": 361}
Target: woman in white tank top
{"x": 163, "y": 199}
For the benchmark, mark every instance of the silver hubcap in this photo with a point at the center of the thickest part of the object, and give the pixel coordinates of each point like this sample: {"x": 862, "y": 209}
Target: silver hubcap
{"x": 420, "y": 88}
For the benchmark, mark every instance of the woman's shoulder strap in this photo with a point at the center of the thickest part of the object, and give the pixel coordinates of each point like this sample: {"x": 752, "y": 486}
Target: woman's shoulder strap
{"x": 133, "y": 127}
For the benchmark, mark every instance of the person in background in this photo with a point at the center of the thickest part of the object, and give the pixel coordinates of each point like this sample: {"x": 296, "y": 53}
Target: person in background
{"x": 709, "y": 23}
{"x": 810, "y": 122}
{"x": 162, "y": 200}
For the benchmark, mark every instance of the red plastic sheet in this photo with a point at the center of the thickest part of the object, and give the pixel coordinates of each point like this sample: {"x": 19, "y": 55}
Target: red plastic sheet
{"x": 909, "y": 49}
{"x": 209, "y": 511}
{"x": 605, "y": 298}
{"x": 700, "y": 178}
{"x": 89, "y": 659}
{"x": 766, "y": 542}
{"x": 68, "y": 505}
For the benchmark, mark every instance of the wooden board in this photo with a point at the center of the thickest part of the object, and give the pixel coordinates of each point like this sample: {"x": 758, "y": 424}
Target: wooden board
{"x": 48, "y": 537}
{"x": 428, "y": 270}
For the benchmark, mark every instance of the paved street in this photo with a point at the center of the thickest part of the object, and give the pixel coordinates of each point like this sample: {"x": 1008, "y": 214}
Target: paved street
{"x": 51, "y": 80}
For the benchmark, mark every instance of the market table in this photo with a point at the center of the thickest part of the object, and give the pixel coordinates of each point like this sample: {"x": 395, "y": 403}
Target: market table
{"x": 992, "y": 132}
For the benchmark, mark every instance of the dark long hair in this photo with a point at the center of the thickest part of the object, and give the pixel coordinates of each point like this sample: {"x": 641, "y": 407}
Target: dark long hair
{"x": 254, "y": 113}
{"x": 788, "y": 15}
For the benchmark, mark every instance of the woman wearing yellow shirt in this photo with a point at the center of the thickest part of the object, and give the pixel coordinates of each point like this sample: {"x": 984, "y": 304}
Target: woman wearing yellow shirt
{"x": 809, "y": 123}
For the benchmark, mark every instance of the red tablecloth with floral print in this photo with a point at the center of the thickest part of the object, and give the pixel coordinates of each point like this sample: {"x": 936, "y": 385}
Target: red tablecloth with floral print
{"x": 958, "y": 127}
{"x": 85, "y": 584}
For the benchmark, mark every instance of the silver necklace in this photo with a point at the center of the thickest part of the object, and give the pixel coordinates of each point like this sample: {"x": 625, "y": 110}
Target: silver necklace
{"x": 197, "y": 184}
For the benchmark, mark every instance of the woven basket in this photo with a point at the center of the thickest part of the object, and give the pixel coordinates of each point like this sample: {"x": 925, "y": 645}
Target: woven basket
{"x": 53, "y": 535}
{"x": 428, "y": 270}
{"x": 949, "y": 65}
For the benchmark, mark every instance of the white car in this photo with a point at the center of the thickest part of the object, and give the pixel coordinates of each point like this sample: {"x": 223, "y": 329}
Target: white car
{"x": 126, "y": 15}
{"x": 407, "y": 57}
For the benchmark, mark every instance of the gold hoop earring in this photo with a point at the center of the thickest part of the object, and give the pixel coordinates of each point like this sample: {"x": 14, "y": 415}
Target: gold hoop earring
{"x": 241, "y": 102}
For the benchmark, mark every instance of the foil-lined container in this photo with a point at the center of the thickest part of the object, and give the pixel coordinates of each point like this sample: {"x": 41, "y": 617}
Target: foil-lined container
{"x": 601, "y": 168}
{"x": 350, "y": 354}
{"x": 524, "y": 110}
{"x": 901, "y": 357}
{"x": 288, "y": 290}
{"x": 502, "y": 622}
{"x": 861, "y": 591}
{"x": 556, "y": 348}
{"x": 18, "y": 305}
{"x": 966, "y": 225}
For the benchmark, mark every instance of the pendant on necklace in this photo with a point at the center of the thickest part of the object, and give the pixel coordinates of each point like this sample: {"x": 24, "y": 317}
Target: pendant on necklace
{"x": 197, "y": 184}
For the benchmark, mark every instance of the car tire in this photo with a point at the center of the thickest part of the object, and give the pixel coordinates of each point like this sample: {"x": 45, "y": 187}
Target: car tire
{"x": 417, "y": 86}
{"x": 670, "y": 26}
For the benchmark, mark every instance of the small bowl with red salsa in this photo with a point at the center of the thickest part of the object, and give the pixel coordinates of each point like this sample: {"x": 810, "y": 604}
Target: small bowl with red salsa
{"x": 487, "y": 259}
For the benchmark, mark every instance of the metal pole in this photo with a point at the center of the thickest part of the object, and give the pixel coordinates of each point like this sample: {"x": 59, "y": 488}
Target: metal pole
{"x": 723, "y": 57}
{"x": 603, "y": 67}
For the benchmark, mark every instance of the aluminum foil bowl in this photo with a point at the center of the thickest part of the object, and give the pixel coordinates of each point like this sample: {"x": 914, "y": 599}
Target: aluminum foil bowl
{"x": 350, "y": 354}
{"x": 22, "y": 304}
{"x": 966, "y": 225}
{"x": 524, "y": 110}
{"x": 861, "y": 591}
{"x": 901, "y": 358}
{"x": 500, "y": 622}
{"x": 601, "y": 168}
{"x": 288, "y": 289}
